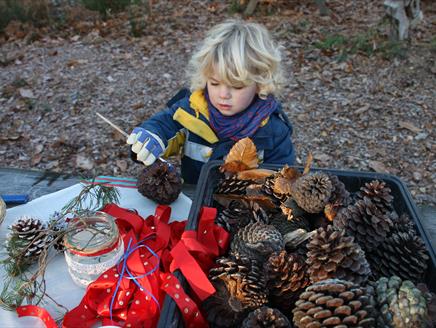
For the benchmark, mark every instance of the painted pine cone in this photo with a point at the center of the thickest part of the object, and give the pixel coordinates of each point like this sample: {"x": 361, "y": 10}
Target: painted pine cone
{"x": 365, "y": 222}
{"x": 334, "y": 302}
{"x": 312, "y": 191}
{"x": 401, "y": 304}
{"x": 257, "y": 241}
{"x": 244, "y": 280}
{"x": 266, "y": 317}
{"x": 286, "y": 278}
{"x": 160, "y": 182}
{"x": 331, "y": 254}
{"x": 27, "y": 239}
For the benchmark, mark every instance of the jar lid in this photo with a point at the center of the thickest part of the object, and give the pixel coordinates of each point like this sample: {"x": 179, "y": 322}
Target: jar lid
{"x": 91, "y": 233}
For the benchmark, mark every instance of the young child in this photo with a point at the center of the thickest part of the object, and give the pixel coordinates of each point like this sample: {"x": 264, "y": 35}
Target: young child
{"x": 234, "y": 75}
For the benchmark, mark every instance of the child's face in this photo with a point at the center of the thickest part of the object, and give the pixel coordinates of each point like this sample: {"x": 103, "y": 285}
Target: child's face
{"x": 229, "y": 100}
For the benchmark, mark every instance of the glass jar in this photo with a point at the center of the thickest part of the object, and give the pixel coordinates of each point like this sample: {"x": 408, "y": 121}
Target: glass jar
{"x": 92, "y": 246}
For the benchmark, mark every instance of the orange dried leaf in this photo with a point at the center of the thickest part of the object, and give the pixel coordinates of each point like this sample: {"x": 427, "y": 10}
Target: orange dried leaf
{"x": 242, "y": 156}
{"x": 255, "y": 174}
{"x": 290, "y": 173}
{"x": 330, "y": 212}
{"x": 282, "y": 186}
{"x": 308, "y": 164}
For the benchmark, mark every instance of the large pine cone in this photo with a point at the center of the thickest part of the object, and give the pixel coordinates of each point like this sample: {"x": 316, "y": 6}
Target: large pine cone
{"x": 365, "y": 222}
{"x": 266, "y": 317}
{"x": 378, "y": 193}
{"x": 402, "y": 254}
{"x": 160, "y": 182}
{"x": 244, "y": 280}
{"x": 234, "y": 217}
{"x": 222, "y": 310}
{"x": 27, "y": 239}
{"x": 401, "y": 304}
{"x": 312, "y": 191}
{"x": 333, "y": 255}
{"x": 257, "y": 241}
{"x": 334, "y": 303}
{"x": 232, "y": 185}
{"x": 286, "y": 278}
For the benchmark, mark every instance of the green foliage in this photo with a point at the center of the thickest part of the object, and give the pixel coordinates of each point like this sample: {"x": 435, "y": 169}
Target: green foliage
{"x": 368, "y": 44}
{"x": 235, "y": 7}
{"x": 106, "y": 7}
{"x": 34, "y": 11}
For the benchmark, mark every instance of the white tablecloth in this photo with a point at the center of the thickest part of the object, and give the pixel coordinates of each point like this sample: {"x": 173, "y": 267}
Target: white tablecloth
{"x": 59, "y": 283}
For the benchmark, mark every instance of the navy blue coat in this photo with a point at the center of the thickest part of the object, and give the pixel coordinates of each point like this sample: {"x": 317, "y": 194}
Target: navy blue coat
{"x": 184, "y": 128}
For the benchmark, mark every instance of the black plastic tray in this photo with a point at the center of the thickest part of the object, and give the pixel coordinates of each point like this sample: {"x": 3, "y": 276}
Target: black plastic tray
{"x": 353, "y": 180}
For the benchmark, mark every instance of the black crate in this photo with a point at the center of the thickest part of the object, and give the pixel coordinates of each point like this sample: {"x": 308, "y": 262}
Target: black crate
{"x": 353, "y": 180}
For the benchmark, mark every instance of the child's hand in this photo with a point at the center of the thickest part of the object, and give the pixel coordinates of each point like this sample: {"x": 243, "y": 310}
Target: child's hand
{"x": 147, "y": 145}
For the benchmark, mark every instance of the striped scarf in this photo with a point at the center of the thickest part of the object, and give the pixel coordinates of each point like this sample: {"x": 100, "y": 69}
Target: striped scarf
{"x": 243, "y": 124}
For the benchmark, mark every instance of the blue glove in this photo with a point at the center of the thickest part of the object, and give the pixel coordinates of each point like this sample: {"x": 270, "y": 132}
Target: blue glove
{"x": 147, "y": 145}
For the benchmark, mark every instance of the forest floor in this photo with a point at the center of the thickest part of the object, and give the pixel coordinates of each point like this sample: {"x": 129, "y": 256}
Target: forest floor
{"x": 356, "y": 100}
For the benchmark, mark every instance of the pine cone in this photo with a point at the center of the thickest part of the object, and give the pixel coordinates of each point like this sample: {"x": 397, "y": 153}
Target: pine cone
{"x": 266, "y": 317}
{"x": 286, "y": 278}
{"x": 284, "y": 225}
{"x": 401, "y": 304}
{"x": 402, "y": 254}
{"x": 257, "y": 241}
{"x": 232, "y": 185}
{"x": 378, "y": 193}
{"x": 244, "y": 280}
{"x": 334, "y": 302}
{"x": 277, "y": 187}
{"x": 27, "y": 239}
{"x": 222, "y": 310}
{"x": 333, "y": 255}
{"x": 234, "y": 217}
{"x": 365, "y": 222}
{"x": 160, "y": 182}
{"x": 312, "y": 191}
{"x": 340, "y": 195}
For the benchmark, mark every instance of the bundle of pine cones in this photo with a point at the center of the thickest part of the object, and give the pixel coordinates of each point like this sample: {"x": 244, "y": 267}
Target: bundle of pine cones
{"x": 306, "y": 250}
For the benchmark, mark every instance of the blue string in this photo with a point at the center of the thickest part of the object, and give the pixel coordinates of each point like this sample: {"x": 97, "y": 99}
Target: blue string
{"x": 129, "y": 275}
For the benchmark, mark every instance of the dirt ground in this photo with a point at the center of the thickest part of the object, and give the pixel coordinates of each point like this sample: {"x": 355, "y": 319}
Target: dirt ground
{"x": 356, "y": 101}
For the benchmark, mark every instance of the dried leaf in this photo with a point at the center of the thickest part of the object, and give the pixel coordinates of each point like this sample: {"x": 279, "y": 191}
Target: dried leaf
{"x": 255, "y": 174}
{"x": 362, "y": 109}
{"x": 263, "y": 201}
{"x": 282, "y": 186}
{"x": 84, "y": 162}
{"x": 378, "y": 166}
{"x": 36, "y": 159}
{"x": 26, "y": 93}
{"x": 122, "y": 164}
{"x": 290, "y": 173}
{"x": 242, "y": 156}
{"x": 308, "y": 164}
{"x": 409, "y": 126}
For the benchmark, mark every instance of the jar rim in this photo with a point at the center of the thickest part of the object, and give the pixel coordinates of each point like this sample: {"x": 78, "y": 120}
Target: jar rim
{"x": 95, "y": 232}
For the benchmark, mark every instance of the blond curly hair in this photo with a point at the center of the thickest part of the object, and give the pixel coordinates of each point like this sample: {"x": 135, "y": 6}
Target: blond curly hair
{"x": 241, "y": 53}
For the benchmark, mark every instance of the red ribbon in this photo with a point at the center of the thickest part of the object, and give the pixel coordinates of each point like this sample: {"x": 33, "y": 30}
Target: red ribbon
{"x": 165, "y": 247}
{"x": 36, "y": 311}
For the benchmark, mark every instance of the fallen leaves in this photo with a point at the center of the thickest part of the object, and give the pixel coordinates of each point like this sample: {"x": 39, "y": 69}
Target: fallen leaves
{"x": 409, "y": 126}
{"x": 378, "y": 167}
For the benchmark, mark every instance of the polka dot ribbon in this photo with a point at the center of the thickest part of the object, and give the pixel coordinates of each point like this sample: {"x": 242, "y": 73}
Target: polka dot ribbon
{"x": 36, "y": 311}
